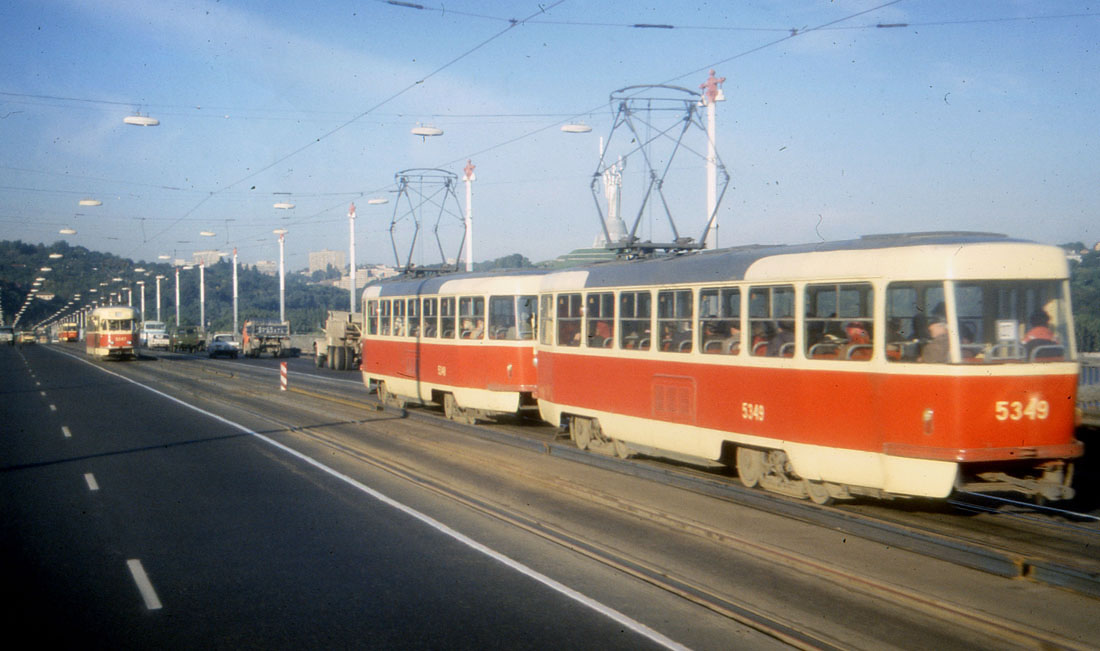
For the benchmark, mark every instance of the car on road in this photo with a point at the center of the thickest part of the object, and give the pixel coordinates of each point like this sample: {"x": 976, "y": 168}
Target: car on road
{"x": 224, "y": 343}
{"x": 154, "y": 335}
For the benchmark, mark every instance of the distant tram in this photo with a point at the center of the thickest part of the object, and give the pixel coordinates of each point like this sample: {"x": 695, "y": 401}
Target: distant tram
{"x": 112, "y": 332}
{"x": 68, "y": 331}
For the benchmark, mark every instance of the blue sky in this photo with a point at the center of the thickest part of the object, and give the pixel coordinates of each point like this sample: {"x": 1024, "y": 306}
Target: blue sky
{"x": 973, "y": 115}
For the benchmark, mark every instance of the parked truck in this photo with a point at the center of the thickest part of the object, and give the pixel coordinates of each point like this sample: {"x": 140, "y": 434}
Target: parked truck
{"x": 339, "y": 348}
{"x": 258, "y": 337}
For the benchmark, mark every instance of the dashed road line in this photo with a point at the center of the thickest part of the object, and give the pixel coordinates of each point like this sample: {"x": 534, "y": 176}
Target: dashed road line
{"x": 89, "y": 478}
{"x": 145, "y": 586}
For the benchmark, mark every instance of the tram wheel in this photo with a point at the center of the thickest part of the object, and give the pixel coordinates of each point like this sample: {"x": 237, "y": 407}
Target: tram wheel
{"x": 453, "y": 412}
{"x": 388, "y": 399}
{"x": 818, "y": 492}
{"x": 750, "y": 466}
{"x": 580, "y": 430}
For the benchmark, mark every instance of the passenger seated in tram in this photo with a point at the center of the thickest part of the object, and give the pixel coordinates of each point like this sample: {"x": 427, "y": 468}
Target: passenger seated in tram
{"x": 938, "y": 348}
{"x": 600, "y": 335}
{"x": 762, "y": 333}
{"x": 569, "y": 332}
{"x": 712, "y": 337}
{"x": 858, "y": 343}
{"x": 1040, "y": 336}
{"x": 731, "y": 345}
{"x": 784, "y": 335}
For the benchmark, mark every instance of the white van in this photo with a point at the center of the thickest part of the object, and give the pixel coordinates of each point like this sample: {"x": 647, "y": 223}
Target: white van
{"x": 154, "y": 335}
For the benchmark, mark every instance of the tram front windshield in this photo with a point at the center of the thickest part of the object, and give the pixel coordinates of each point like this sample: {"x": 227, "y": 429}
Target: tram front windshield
{"x": 115, "y": 325}
{"x": 996, "y": 321}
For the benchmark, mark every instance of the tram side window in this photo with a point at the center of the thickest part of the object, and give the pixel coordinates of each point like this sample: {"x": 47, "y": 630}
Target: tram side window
{"x": 398, "y": 317}
{"x": 674, "y": 320}
{"x": 430, "y": 317}
{"x": 471, "y": 314}
{"x": 527, "y": 313}
{"x": 911, "y": 308}
{"x": 512, "y": 317}
{"x": 372, "y": 317}
{"x": 385, "y": 316}
{"x": 569, "y": 319}
{"x": 600, "y": 316}
{"x": 546, "y": 320}
{"x": 771, "y": 317}
{"x": 635, "y": 310}
{"x": 412, "y": 316}
{"x": 447, "y": 317}
{"x": 1012, "y": 321}
{"x": 720, "y": 320}
{"x": 502, "y": 317}
{"x": 839, "y": 321}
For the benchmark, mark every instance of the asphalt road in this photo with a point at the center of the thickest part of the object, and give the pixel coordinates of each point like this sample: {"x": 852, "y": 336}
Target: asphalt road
{"x": 131, "y": 520}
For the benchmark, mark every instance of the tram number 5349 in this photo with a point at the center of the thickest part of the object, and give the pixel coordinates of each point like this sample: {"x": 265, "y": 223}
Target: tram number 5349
{"x": 752, "y": 411}
{"x": 1035, "y": 409}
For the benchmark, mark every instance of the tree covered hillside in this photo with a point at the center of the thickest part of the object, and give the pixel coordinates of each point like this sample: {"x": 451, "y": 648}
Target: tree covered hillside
{"x": 80, "y": 270}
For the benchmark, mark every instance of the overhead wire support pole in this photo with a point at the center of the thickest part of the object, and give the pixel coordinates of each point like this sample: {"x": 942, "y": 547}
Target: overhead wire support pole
{"x": 642, "y": 108}
{"x": 432, "y": 187}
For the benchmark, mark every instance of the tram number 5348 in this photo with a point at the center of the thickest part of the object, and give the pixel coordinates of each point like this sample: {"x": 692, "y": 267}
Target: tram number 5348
{"x": 1035, "y": 409}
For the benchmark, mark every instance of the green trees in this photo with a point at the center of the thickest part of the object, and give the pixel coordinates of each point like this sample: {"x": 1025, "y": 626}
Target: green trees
{"x": 80, "y": 270}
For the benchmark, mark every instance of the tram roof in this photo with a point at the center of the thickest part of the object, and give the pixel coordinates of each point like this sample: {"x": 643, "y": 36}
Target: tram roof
{"x": 432, "y": 284}
{"x": 734, "y": 263}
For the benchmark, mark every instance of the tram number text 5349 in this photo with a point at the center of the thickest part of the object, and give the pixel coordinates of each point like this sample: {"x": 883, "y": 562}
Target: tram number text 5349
{"x": 752, "y": 411}
{"x": 1035, "y": 409}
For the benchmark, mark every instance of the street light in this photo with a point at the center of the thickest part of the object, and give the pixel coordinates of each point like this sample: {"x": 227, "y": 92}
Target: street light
{"x": 426, "y": 131}
{"x": 281, "y": 232}
{"x": 576, "y": 127}
{"x": 202, "y": 296}
{"x": 140, "y": 120}
{"x": 160, "y": 277}
{"x": 353, "y": 273}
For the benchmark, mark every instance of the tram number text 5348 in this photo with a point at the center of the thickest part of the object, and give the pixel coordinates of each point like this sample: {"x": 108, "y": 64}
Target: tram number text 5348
{"x": 1035, "y": 409}
{"x": 752, "y": 411}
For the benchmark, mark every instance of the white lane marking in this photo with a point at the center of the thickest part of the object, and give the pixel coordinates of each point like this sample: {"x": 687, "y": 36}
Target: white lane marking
{"x": 93, "y": 485}
{"x": 42, "y": 393}
{"x": 143, "y": 584}
{"x": 53, "y": 407}
{"x": 65, "y": 430}
{"x": 607, "y": 611}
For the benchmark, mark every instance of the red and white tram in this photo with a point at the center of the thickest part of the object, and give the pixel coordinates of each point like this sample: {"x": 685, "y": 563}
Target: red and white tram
{"x": 68, "y": 331}
{"x": 112, "y": 332}
{"x": 464, "y": 341}
{"x": 891, "y": 365}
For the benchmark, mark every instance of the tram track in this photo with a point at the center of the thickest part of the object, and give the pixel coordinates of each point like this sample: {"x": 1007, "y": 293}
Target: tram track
{"x": 923, "y": 535}
{"x": 726, "y": 605}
